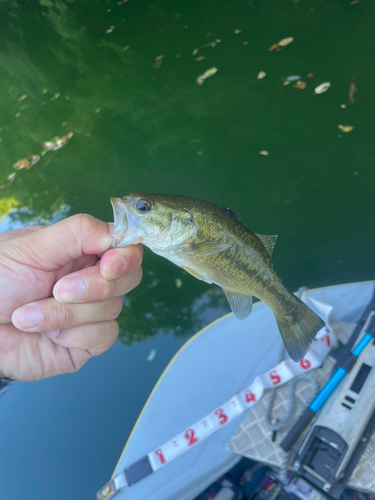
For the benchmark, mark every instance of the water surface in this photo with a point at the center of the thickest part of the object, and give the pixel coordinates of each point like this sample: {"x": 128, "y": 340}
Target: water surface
{"x": 140, "y": 128}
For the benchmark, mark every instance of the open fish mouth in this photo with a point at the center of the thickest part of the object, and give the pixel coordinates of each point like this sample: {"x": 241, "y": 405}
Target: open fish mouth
{"x": 123, "y": 224}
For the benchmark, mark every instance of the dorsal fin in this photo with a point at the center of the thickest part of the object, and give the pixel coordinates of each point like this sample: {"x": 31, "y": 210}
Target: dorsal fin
{"x": 268, "y": 242}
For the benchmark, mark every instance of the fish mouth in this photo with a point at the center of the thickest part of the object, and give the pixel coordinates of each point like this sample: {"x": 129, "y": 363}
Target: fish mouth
{"x": 124, "y": 224}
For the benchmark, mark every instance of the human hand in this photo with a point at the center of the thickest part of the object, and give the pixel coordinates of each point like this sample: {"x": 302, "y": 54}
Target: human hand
{"x": 58, "y": 298}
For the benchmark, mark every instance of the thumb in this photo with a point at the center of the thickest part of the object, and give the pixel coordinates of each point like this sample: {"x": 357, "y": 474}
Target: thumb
{"x": 60, "y": 243}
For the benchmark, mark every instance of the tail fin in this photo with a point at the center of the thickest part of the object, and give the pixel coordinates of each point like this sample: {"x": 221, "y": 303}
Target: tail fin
{"x": 298, "y": 330}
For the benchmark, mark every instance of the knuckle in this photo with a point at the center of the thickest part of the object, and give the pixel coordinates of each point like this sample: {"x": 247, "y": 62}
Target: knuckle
{"x": 65, "y": 315}
{"x": 115, "y": 307}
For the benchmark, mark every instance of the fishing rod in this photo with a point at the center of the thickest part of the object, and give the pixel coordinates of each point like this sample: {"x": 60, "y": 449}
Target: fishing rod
{"x": 344, "y": 364}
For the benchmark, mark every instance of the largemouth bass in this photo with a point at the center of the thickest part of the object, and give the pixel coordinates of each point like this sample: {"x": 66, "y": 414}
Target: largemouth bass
{"x": 213, "y": 244}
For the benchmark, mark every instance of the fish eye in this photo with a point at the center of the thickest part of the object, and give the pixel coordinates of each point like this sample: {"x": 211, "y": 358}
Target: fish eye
{"x": 144, "y": 206}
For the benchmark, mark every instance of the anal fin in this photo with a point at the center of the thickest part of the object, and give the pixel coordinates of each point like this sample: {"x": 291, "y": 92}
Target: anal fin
{"x": 241, "y": 305}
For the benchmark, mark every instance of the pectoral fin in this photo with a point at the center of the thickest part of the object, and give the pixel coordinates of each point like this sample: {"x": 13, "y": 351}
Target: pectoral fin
{"x": 207, "y": 248}
{"x": 241, "y": 305}
{"x": 196, "y": 275}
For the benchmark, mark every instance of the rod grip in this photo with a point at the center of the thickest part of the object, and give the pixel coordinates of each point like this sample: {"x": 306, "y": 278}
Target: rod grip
{"x": 297, "y": 429}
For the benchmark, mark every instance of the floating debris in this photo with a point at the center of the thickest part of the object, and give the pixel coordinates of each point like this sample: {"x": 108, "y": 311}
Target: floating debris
{"x": 264, "y": 153}
{"x": 343, "y": 106}
{"x": 310, "y": 75}
{"x": 122, "y": 1}
{"x": 285, "y": 82}
{"x": 152, "y": 355}
{"x": 286, "y": 41}
{"x": 273, "y": 47}
{"x": 356, "y": 172}
{"x": 2, "y": 186}
{"x": 17, "y": 114}
{"x": 346, "y": 128}
{"x": 300, "y": 85}
{"x": 26, "y": 163}
{"x": 261, "y": 75}
{"x": 323, "y": 87}
{"x": 186, "y": 26}
{"x": 178, "y": 56}
{"x": 56, "y": 96}
{"x": 11, "y": 177}
{"x": 97, "y": 111}
{"x": 126, "y": 47}
{"x": 110, "y": 29}
{"x": 354, "y": 2}
{"x": 209, "y": 44}
{"x": 22, "y": 97}
{"x": 293, "y": 78}
{"x": 200, "y": 58}
{"x": 352, "y": 90}
{"x": 178, "y": 283}
{"x": 237, "y": 32}
{"x": 157, "y": 64}
{"x": 44, "y": 91}
{"x": 245, "y": 43}
{"x": 57, "y": 143}
{"x": 159, "y": 58}
{"x": 207, "y": 74}
{"x": 208, "y": 34}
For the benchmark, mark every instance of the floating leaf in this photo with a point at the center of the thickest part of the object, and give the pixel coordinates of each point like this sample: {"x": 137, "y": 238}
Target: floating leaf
{"x": 292, "y": 78}
{"x": 286, "y": 41}
{"x": 310, "y": 75}
{"x": 200, "y": 58}
{"x": 152, "y": 355}
{"x": 110, "y": 29}
{"x": 237, "y": 32}
{"x": 261, "y": 75}
{"x": 300, "y": 85}
{"x": 207, "y": 74}
{"x": 245, "y": 43}
{"x": 323, "y": 87}
{"x": 273, "y": 47}
{"x": 22, "y": 97}
{"x": 346, "y": 128}
{"x": 264, "y": 153}
{"x": 158, "y": 58}
{"x": 343, "y": 106}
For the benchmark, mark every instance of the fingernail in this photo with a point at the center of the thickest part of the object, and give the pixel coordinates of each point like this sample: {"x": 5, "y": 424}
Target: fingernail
{"x": 70, "y": 290}
{"x": 53, "y": 334}
{"x": 115, "y": 268}
{"x": 27, "y": 317}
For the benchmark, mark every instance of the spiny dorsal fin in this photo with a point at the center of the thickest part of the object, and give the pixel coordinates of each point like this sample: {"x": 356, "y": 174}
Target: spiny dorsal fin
{"x": 268, "y": 242}
{"x": 241, "y": 305}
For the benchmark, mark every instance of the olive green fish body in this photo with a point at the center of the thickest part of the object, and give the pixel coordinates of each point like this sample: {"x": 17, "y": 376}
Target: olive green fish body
{"x": 212, "y": 244}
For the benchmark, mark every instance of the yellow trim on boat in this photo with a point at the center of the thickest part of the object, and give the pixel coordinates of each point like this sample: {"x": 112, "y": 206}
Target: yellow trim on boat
{"x": 162, "y": 376}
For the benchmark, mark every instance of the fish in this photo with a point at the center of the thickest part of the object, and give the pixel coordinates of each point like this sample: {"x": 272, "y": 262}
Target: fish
{"x": 214, "y": 245}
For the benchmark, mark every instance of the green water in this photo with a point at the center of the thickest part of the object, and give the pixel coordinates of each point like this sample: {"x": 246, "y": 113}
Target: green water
{"x": 139, "y": 128}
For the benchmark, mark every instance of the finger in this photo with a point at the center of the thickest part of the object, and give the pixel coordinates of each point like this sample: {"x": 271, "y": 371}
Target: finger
{"x": 49, "y": 314}
{"x": 17, "y": 233}
{"x": 119, "y": 261}
{"x": 95, "y": 337}
{"x": 60, "y": 243}
{"x": 88, "y": 285}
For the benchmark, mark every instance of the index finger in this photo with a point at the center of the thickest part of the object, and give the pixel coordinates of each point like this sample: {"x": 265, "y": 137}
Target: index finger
{"x": 60, "y": 243}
